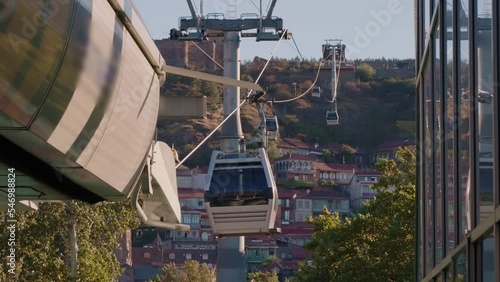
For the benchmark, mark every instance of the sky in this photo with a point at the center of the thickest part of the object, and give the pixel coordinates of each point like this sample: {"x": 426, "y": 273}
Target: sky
{"x": 369, "y": 28}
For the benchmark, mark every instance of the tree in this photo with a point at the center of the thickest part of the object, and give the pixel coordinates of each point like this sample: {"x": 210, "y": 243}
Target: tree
{"x": 269, "y": 260}
{"x": 327, "y": 156}
{"x": 347, "y": 153}
{"x": 366, "y": 72}
{"x": 375, "y": 246}
{"x": 260, "y": 276}
{"x": 43, "y": 246}
{"x": 192, "y": 271}
{"x": 272, "y": 151}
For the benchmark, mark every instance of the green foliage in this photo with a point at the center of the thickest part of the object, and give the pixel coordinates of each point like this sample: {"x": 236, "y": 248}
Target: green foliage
{"x": 43, "y": 248}
{"x": 366, "y": 72}
{"x": 269, "y": 260}
{"x": 327, "y": 156}
{"x": 272, "y": 151}
{"x": 377, "y": 245}
{"x": 263, "y": 276}
{"x": 408, "y": 126}
{"x": 192, "y": 271}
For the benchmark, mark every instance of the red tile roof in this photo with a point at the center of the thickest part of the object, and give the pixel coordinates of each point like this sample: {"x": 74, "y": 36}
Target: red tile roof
{"x": 343, "y": 167}
{"x": 296, "y": 143}
{"x": 323, "y": 167}
{"x": 295, "y": 232}
{"x": 335, "y": 167}
{"x": 293, "y": 265}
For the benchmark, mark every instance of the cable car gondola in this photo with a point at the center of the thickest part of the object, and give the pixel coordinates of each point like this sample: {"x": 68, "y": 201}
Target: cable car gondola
{"x": 272, "y": 128}
{"x": 332, "y": 117}
{"x": 316, "y": 92}
{"x": 241, "y": 196}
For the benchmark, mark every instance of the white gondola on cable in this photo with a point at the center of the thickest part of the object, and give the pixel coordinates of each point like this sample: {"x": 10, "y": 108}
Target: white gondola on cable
{"x": 316, "y": 92}
{"x": 272, "y": 128}
{"x": 332, "y": 117}
{"x": 241, "y": 195}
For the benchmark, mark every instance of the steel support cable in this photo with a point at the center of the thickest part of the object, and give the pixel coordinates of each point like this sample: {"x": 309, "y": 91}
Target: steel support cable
{"x": 255, "y": 6}
{"x": 209, "y": 135}
{"x": 295, "y": 49}
{"x": 300, "y": 54}
{"x": 234, "y": 111}
{"x": 156, "y": 37}
{"x": 309, "y": 89}
{"x": 272, "y": 54}
{"x": 203, "y": 51}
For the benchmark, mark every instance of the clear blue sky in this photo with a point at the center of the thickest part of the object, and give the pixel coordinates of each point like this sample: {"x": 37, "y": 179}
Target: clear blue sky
{"x": 369, "y": 28}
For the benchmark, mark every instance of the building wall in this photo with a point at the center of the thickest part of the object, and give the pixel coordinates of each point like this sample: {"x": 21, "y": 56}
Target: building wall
{"x": 300, "y": 170}
{"x": 361, "y": 191}
{"x": 193, "y": 203}
{"x": 458, "y": 124}
{"x": 303, "y": 209}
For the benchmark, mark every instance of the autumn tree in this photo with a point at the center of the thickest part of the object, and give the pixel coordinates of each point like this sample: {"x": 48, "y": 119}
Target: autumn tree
{"x": 272, "y": 151}
{"x": 377, "y": 245}
{"x": 269, "y": 260}
{"x": 192, "y": 271}
{"x": 366, "y": 72}
{"x": 260, "y": 276}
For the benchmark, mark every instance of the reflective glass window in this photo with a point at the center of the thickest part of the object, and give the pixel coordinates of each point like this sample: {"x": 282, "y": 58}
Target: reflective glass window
{"x": 464, "y": 117}
{"x": 438, "y": 150}
{"x": 487, "y": 263}
{"x": 427, "y": 19}
{"x": 484, "y": 106}
{"x": 449, "y": 276}
{"x": 449, "y": 129}
{"x": 428, "y": 170}
{"x": 421, "y": 187}
{"x": 238, "y": 180}
{"x": 461, "y": 268}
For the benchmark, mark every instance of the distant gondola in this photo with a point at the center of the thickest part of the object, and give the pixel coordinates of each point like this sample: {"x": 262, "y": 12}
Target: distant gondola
{"x": 332, "y": 117}
{"x": 316, "y": 92}
{"x": 272, "y": 128}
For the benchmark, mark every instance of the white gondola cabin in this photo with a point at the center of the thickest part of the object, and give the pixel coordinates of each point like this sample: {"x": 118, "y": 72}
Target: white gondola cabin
{"x": 332, "y": 117}
{"x": 241, "y": 196}
{"x": 272, "y": 128}
{"x": 316, "y": 92}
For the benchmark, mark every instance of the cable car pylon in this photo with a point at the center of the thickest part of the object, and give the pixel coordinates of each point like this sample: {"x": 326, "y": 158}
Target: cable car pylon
{"x": 240, "y": 196}
{"x": 335, "y": 55}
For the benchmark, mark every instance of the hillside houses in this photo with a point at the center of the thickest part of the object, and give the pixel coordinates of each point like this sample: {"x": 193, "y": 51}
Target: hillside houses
{"x": 306, "y": 185}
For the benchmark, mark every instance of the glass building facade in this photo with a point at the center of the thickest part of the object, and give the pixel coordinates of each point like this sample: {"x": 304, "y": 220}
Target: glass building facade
{"x": 458, "y": 189}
